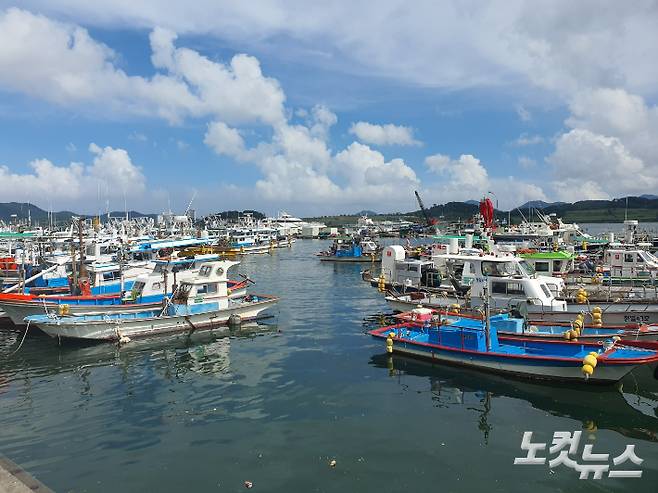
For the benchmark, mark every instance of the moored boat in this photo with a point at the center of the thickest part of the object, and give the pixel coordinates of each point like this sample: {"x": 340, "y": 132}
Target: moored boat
{"x": 202, "y": 302}
{"x": 351, "y": 250}
{"x": 475, "y": 343}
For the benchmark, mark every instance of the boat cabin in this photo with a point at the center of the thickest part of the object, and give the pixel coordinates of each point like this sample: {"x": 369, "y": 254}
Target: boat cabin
{"x": 630, "y": 264}
{"x": 407, "y": 272}
{"x": 208, "y": 286}
{"x": 510, "y": 281}
{"x": 151, "y": 287}
{"x": 558, "y": 263}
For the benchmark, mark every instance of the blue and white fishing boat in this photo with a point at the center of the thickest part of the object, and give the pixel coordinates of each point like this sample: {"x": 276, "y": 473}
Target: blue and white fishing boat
{"x": 202, "y": 302}
{"x": 351, "y": 250}
{"x": 146, "y": 293}
{"x": 475, "y": 343}
{"x": 520, "y": 327}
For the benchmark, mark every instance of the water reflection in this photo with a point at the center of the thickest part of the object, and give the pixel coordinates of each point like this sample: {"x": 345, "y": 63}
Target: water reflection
{"x": 630, "y": 408}
{"x": 205, "y": 352}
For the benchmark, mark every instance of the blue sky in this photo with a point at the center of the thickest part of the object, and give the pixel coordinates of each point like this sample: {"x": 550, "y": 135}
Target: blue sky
{"x": 324, "y": 109}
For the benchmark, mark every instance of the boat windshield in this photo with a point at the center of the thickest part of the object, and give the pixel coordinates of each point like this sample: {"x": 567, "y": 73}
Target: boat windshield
{"x": 526, "y": 268}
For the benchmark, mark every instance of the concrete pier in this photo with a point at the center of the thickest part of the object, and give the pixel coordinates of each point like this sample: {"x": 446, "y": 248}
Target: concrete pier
{"x": 14, "y": 479}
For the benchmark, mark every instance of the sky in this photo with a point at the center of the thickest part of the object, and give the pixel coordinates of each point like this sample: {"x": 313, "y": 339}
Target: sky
{"x": 326, "y": 107}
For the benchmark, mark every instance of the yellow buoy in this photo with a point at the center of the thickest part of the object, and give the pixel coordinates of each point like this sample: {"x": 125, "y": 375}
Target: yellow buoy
{"x": 594, "y": 353}
{"x": 597, "y": 309}
{"x": 567, "y": 335}
{"x": 587, "y": 370}
{"x": 590, "y": 360}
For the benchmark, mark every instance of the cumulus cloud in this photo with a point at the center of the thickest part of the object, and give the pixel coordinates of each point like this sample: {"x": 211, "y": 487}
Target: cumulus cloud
{"x": 111, "y": 170}
{"x": 610, "y": 149}
{"x": 61, "y": 63}
{"x": 560, "y": 45}
{"x": 467, "y": 178}
{"x": 383, "y": 135}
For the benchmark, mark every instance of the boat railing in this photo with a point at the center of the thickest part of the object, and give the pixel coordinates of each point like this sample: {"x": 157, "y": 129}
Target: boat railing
{"x": 437, "y": 325}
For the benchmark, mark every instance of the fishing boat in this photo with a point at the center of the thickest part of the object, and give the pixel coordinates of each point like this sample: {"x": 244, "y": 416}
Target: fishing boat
{"x": 475, "y": 343}
{"x": 522, "y": 327}
{"x": 202, "y": 302}
{"x": 147, "y": 293}
{"x": 351, "y": 250}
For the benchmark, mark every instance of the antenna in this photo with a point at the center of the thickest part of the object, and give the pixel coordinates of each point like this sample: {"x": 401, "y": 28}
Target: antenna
{"x": 626, "y": 210}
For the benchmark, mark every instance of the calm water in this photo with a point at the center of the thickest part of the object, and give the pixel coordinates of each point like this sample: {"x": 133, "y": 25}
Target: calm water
{"x": 275, "y": 403}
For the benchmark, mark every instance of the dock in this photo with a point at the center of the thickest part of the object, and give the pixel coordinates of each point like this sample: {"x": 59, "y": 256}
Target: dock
{"x": 14, "y": 479}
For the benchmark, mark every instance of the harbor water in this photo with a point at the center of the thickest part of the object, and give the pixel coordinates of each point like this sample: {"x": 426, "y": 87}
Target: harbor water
{"x": 275, "y": 404}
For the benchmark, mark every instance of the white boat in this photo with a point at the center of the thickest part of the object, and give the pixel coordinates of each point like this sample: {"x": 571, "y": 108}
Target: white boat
{"x": 199, "y": 303}
{"x": 146, "y": 293}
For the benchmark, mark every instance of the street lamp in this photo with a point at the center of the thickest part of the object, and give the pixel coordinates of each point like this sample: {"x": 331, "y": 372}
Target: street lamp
{"x": 494, "y": 195}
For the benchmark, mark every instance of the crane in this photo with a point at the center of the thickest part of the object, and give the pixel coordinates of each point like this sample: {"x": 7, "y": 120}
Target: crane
{"x": 428, "y": 219}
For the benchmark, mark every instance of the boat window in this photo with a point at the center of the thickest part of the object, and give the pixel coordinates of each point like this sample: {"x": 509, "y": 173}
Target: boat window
{"x": 515, "y": 288}
{"x": 499, "y": 287}
{"x": 156, "y": 286}
{"x": 210, "y": 288}
{"x": 525, "y": 266}
{"x": 220, "y": 271}
{"x": 184, "y": 289}
{"x": 413, "y": 268}
{"x": 629, "y": 257}
{"x": 545, "y": 289}
{"x": 205, "y": 271}
{"x": 110, "y": 276}
{"x": 557, "y": 265}
{"x": 541, "y": 266}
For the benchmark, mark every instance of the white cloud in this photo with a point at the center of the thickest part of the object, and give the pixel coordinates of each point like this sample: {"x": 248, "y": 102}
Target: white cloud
{"x": 224, "y": 140}
{"x": 611, "y": 147}
{"x": 526, "y": 162}
{"x": 561, "y": 45}
{"x": 466, "y": 178}
{"x": 61, "y": 63}
{"x": 383, "y": 135}
{"x": 527, "y": 140}
{"x": 111, "y": 169}
{"x": 465, "y": 173}
{"x": 138, "y": 137}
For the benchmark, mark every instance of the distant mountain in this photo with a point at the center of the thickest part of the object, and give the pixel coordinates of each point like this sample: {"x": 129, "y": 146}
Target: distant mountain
{"x": 540, "y": 204}
{"x": 233, "y": 215}
{"x": 649, "y": 196}
{"x": 22, "y": 210}
{"x": 472, "y": 202}
{"x": 365, "y": 213}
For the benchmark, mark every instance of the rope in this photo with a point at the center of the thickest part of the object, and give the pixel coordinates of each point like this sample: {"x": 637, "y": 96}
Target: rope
{"x": 22, "y": 340}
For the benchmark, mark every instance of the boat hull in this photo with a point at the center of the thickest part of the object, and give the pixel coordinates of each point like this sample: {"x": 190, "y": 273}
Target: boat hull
{"x": 532, "y": 368}
{"x": 364, "y": 258}
{"x": 110, "y": 330}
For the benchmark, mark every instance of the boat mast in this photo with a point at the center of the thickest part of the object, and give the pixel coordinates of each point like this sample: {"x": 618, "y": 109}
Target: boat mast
{"x": 487, "y": 313}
